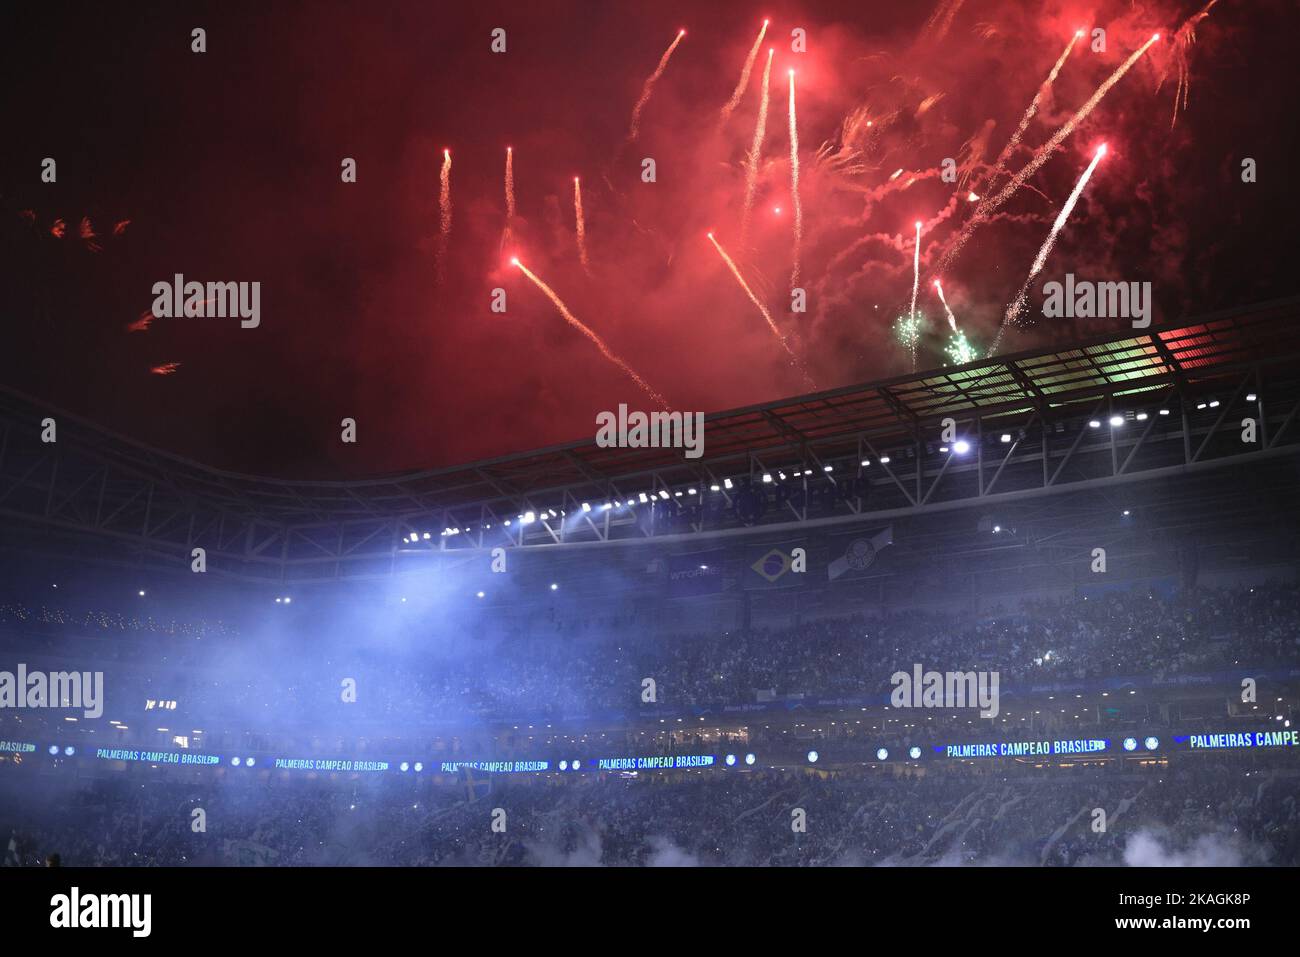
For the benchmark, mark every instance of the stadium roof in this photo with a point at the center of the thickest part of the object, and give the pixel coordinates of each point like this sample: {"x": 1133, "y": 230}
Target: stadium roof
{"x": 91, "y": 473}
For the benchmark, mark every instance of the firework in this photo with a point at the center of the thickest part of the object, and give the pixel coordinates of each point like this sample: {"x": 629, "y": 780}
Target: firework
{"x": 646, "y": 90}
{"x": 167, "y": 368}
{"x": 1182, "y": 41}
{"x": 58, "y": 228}
{"x": 992, "y": 203}
{"x": 767, "y": 316}
{"x": 598, "y": 342}
{"x": 1033, "y": 108}
{"x": 86, "y": 232}
{"x": 745, "y": 71}
{"x": 916, "y": 282}
{"x": 794, "y": 185}
{"x": 1040, "y": 260}
{"x": 959, "y": 349}
{"x": 510, "y": 194}
{"x": 141, "y": 324}
{"x": 120, "y": 227}
{"x": 580, "y": 224}
{"x": 444, "y": 209}
{"x": 952, "y": 320}
{"x": 756, "y": 148}
{"x": 907, "y": 330}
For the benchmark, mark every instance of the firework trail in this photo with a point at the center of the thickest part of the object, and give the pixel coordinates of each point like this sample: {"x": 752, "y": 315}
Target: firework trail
{"x": 756, "y": 148}
{"x": 771, "y": 323}
{"x": 1182, "y": 41}
{"x": 58, "y": 228}
{"x": 167, "y": 368}
{"x": 794, "y": 185}
{"x": 745, "y": 71}
{"x": 510, "y": 194}
{"x": 87, "y": 234}
{"x": 599, "y": 343}
{"x": 646, "y": 90}
{"x": 916, "y": 283}
{"x": 581, "y": 225}
{"x": 952, "y": 320}
{"x": 1012, "y": 143}
{"x": 444, "y": 209}
{"x": 120, "y": 228}
{"x": 937, "y": 26}
{"x": 992, "y": 203}
{"x": 141, "y": 324}
{"x": 1040, "y": 260}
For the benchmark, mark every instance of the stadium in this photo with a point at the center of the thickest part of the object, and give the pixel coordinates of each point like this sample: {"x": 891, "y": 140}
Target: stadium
{"x": 614, "y": 656}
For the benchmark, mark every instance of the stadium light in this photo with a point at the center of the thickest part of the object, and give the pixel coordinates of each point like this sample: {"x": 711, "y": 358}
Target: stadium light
{"x": 767, "y": 478}
{"x": 419, "y": 766}
{"x": 1164, "y": 411}
{"x": 1116, "y": 421}
{"x": 884, "y": 460}
{"x": 914, "y": 753}
{"x": 405, "y": 766}
{"x": 812, "y": 757}
{"x": 1006, "y": 437}
{"x": 750, "y": 759}
{"x": 235, "y": 761}
{"x": 69, "y": 751}
{"x": 249, "y": 762}
{"x": 1250, "y": 397}
{"x": 564, "y": 765}
{"x": 554, "y": 587}
{"x": 54, "y": 749}
{"x": 961, "y": 446}
{"x": 731, "y": 760}
{"x": 1152, "y": 743}
{"x": 576, "y": 764}
{"x": 882, "y": 754}
{"x": 480, "y": 595}
{"x": 1130, "y": 744}
{"x": 1094, "y": 424}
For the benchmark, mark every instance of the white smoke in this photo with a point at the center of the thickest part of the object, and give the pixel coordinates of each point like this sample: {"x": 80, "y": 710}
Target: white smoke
{"x": 664, "y": 853}
{"x": 1147, "y": 848}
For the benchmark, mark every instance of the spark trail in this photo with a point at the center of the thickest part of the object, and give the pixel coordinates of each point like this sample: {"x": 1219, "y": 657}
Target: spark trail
{"x": 952, "y": 320}
{"x": 1012, "y": 143}
{"x": 580, "y": 221}
{"x": 756, "y": 148}
{"x": 771, "y": 323}
{"x": 510, "y": 194}
{"x": 649, "y": 87}
{"x": 444, "y": 211}
{"x": 745, "y": 71}
{"x": 794, "y": 186}
{"x": 988, "y": 205}
{"x": 596, "y": 340}
{"x": 1040, "y": 260}
{"x": 916, "y": 284}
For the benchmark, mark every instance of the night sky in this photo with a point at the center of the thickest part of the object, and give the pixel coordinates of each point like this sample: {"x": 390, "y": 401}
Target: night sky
{"x": 225, "y": 166}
